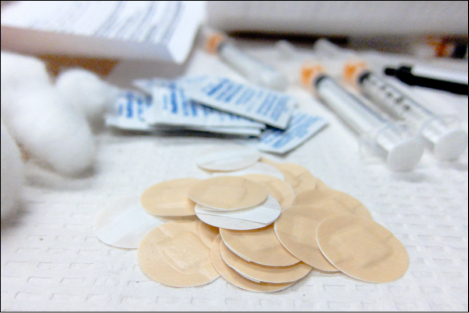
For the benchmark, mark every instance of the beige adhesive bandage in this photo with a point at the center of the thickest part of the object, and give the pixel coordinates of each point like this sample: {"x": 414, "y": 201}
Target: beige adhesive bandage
{"x": 298, "y": 177}
{"x": 236, "y": 279}
{"x": 321, "y": 185}
{"x": 268, "y": 161}
{"x": 207, "y": 233}
{"x": 296, "y": 230}
{"x": 227, "y": 193}
{"x": 227, "y": 158}
{"x": 174, "y": 255}
{"x": 169, "y": 198}
{"x": 261, "y": 273}
{"x": 363, "y": 249}
{"x": 260, "y": 246}
{"x": 352, "y": 205}
{"x": 277, "y": 188}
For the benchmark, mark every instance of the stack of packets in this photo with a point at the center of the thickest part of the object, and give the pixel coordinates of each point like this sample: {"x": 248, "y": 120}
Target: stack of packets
{"x": 260, "y": 225}
{"x": 216, "y": 105}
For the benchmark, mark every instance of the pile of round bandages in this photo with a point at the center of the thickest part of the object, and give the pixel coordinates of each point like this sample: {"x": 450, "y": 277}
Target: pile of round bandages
{"x": 259, "y": 224}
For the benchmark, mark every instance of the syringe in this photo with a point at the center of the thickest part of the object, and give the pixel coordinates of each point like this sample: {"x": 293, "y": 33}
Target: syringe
{"x": 252, "y": 69}
{"x": 401, "y": 152}
{"x": 446, "y": 140}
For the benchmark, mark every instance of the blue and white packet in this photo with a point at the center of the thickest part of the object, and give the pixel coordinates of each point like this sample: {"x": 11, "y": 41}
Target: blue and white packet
{"x": 129, "y": 112}
{"x": 172, "y": 107}
{"x": 147, "y": 85}
{"x": 259, "y": 104}
{"x": 302, "y": 126}
{"x": 132, "y": 109}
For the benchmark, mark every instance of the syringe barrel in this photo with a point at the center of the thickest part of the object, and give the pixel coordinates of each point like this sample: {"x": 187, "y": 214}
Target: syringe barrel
{"x": 402, "y": 153}
{"x": 393, "y": 101}
{"x": 359, "y": 116}
{"x": 446, "y": 140}
{"x": 252, "y": 69}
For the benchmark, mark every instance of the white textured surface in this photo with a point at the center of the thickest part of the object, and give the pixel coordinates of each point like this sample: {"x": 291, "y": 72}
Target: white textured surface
{"x": 51, "y": 260}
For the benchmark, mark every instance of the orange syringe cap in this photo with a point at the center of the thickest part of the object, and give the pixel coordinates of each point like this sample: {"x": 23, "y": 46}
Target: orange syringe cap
{"x": 353, "y": 70}
{"x": 213, "y": 42}
{"x": 308, "y": 74}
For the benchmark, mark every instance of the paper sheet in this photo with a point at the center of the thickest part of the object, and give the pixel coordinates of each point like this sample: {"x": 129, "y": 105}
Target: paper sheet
{"x": 163, "y": 30}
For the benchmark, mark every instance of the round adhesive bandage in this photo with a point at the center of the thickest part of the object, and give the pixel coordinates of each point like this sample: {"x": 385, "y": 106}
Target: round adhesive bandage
{"x": 207, "y": 233}
{"x": 277, "y": 188}
{"x": 261, "y": 215}
{"x": 169, "y": 198}
{"x": 260, "y": 246}
{"x": 229, "y": 223}
{"x": 352, "y": 205}
{"x": 261, "y": 273}
{"x": 297, "y": 176}
{"x": 296, "y": 230}
{"x": 229, "y": 158}
{"x": 256, "y": 168}
{"x": 363, "y": 249}
{"x": 227, "y": 193}
{"x": 174, "y": 255}
{"x": 124, "y": 223}
{"x": 320, "y": 184}
{"x": 238, "y": 280}
{"x": 268, "y": 161}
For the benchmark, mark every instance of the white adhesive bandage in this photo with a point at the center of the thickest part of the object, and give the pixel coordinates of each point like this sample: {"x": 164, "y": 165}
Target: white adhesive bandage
{"x": 124, "y": 223}
{"x": 255, "y": 169}
{"x": 265, "y": 213}
{"x": 227, "y": 158}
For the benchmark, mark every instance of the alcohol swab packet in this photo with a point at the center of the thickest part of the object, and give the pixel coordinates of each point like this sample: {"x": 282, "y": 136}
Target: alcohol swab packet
{"x": 172, "y": 107}
{"x": 147, "y": 85}
{"x": 302, "y": 126}
{"x": 260, "y": 104}
{"x": 131, "y": 111}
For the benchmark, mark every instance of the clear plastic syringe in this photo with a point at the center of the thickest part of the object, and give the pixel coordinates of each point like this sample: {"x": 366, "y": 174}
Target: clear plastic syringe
{"x": 444, "y": 136}
{"x": 252, "y": 69}
{"x": 401, "y": 152}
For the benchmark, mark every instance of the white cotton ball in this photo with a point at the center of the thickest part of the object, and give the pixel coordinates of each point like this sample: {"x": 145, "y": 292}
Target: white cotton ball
{"x": 41, "y": 123}
{"x": 12, "y": 174}
{"x": 19, "y": 70}
{"x": 88, "y": 93}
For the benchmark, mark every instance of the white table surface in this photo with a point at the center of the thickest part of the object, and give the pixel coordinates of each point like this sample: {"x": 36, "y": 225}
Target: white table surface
{"x": 51, "y": 260}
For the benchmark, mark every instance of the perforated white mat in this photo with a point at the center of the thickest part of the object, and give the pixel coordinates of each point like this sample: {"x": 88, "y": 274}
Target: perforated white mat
{"x": 51, "y": 260}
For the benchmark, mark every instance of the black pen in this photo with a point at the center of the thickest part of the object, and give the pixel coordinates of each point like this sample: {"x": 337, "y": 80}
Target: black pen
{"x": 430, "y": 78}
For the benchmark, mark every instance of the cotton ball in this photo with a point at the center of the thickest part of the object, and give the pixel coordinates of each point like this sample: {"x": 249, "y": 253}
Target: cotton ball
{"x": 88, "y": 93}
{"x": 40, "y": 122}
{"x": 19, "y": 70}
{"x": 12, "y": 174}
